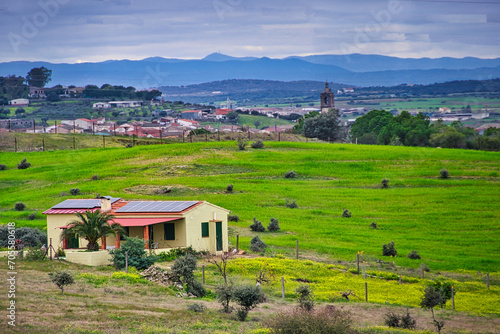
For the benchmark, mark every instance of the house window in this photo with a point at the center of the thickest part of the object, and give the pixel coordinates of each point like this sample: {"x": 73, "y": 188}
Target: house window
{"x": 169, "y": 231}
{"x": 204, "y": 230}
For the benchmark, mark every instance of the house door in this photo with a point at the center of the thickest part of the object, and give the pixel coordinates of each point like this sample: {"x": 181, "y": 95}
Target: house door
{"x": 218, "y": 235}
{"x": 73, "y": 243}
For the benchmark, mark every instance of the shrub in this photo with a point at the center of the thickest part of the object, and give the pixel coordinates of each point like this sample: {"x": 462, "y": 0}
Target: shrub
{"x": 19, "y": 206}
{"x": 199, "y": 308}
{"x": 233, "y": 218}
{"x": 229, "y": 188}
{"x": 175, "y": 253}
{"x": 242, "y": 144}
{"x": 95, "y": 177}
{"x": 385, "y": 183}
{"x": 346, "y": 213}
{"x": 224, "y": 296}
{"x": 389, "y": 250}
{"x": 290, "y": 174}
{"x": 36, "y": 254}
{"x": 306, "y": 301}
{"x": 23, "y": 164}
{"x": 273, "y": 225}
{"x": 444, "y": 173}
{"x": 3, "y": 167}
{"x": 323, "y": 321}
{"x": 60, "y": 253}
{"x": 183, "y": 269}
{"x": 74, "y": 191}
{"x": 374, "y": 225}
{"x": 257, "y": 226}
{"x": 400, "y": 321}
{"x": 414, "y": 255}
{"x": 291, "y": 205}
{"x": 257, "y": 245}
{"x": 61, "y": 279}
{"x": 257, "y": 144}
{"x": 32, "y": 216}
{"x": 137, "y": 255}
{"x": 248, "y": 297}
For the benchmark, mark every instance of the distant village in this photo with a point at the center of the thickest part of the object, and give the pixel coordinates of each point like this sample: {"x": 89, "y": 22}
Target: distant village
{"x": 173, "y": 124}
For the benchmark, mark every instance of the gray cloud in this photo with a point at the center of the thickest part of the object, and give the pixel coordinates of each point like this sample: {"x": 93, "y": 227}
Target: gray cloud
{"x": 95, "y": 30}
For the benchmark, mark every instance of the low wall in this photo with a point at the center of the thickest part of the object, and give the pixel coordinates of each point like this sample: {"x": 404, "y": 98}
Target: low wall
{"x": 99, "y": 258}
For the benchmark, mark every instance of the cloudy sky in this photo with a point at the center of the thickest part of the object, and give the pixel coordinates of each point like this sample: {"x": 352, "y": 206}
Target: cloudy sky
{"x": 96, "y": 30}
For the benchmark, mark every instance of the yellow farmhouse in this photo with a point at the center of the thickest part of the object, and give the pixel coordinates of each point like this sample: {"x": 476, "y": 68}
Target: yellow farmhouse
{"x": 162, "y": 224}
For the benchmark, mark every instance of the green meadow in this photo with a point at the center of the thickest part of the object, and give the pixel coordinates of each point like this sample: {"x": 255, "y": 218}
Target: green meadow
{"x": 453, "y": 223}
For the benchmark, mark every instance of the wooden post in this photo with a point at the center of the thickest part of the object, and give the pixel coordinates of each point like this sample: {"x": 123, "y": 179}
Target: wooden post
{"x": 126, "y": 261}
{"x": 15, "y": 144}
{"x": 103, "y": 142}
{"x": 488, "y": 280}
{"x": 161, "y": 139}
{"x": 297, "y": 255}
{"x": 452, "y": 298}
{"x": 93, "y": 127}
{"x": 203, "y": 274}
{"x": 50, "y": 249}
{"x": 114, "y": 129}
{"x": 34, "y": 128}
{"x": 43, "y": 144}
{"x": 279, "y": 136}
{"x": 237, "y": 242}
{"x": 183, "y": 138}
{"x": 117, "y": 241}
{"x": 74, "y": 127}
{"x": 9, "y": 125}
{"x": 103, "y": 243}
{"x": 133, "y": 139}
{"x": 218, "y": 134}
{"x": 74, "y": 143}
{"x": 357, "y": 260}
{"x": 366, "y": 292}
{"x": 421, "y": 271}
{"x": 282, "y": 287}
{"x": 400, "y": 279}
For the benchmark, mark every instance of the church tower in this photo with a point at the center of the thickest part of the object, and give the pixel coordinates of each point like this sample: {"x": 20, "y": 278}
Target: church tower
{"x": 327, "y": 99}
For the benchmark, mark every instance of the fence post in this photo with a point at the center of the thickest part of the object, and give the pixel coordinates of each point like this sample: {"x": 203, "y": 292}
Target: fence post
{"x": 282, "y": 287}
{"x": 488, "y": 280}
{"x": 203, "y": 273}
{"x": 400, "y": 280}
{"x": 237, "y": 242}
{"x": 357, "y": 260}
{"x": 74, "y": 143}
{"x": 15, "y": 144}
{"x": 452, "y": 297}
{"x": 50, "y": 249}
{"x": 103, "y": 142}
{"x": 366, "y": 292}
{"x": 43, "y": 144}
{"x": 206, "y": 137}
{"x": 421, "y": 271}
{"x": 126, "y": 261}
{"x": 297, "y": 252}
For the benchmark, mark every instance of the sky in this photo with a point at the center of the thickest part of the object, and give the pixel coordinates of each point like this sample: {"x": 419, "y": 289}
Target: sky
{"x": 72, "y": 31}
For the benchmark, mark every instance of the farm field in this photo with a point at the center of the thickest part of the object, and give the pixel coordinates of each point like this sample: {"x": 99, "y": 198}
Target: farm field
{"x": 454, "y": 223}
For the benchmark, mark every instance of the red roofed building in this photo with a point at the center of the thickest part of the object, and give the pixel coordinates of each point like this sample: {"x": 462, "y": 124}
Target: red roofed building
{"x": 162, "y": 224}
{"x": 222, "y": 113}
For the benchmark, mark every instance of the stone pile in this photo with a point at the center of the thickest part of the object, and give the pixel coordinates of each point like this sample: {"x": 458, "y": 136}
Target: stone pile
{"x": 156, "y": 274}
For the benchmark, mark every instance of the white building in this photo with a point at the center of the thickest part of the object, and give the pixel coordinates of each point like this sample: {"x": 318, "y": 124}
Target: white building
{"x": 19, "y": 102}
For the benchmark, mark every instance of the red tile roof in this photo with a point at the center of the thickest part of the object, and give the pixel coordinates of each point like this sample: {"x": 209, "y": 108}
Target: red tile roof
{"x": 66, "y": 211}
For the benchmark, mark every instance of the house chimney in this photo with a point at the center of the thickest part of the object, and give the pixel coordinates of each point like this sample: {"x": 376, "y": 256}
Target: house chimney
{"x": 105, "y": 204}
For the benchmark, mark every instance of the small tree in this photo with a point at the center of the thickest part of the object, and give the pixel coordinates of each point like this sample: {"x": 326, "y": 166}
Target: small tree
{"x": 257, "y": 245}
{"x": 257, "y": 144}
{"x": 273, "y": 225}
{"x": 389, "y": 250}
{"x": 183, "y": 269}
{"x": 74, "y": 191}
{"x": 242, "y": 144}
{"x": 306, "y": 301}
{"x": 61, "y": 279}
{"x": 257, "y": 226}
{"x": 248, "y": 297}
{"x": 225, "y": 293}
{"x": 23, "y": 164}
{"x": 433, "y": 297}
{"x": 414, "y": 255}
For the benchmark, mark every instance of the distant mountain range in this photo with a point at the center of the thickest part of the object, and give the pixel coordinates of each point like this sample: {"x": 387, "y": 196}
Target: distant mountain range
{"x": 355, "y": 69}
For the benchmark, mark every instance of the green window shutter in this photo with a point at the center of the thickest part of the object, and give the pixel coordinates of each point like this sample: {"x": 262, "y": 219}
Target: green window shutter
{"x": 169, "y": 231}
{"x": 204, "y": 230}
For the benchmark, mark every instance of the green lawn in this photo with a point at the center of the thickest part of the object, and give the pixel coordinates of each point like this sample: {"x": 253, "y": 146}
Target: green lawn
{"x": 453, "y": 223}
{"x": 264, "y": 121}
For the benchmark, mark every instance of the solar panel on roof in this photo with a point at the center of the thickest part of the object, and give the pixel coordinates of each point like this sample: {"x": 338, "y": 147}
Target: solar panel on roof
{"x": 78, "y": 204}
{"x": 157, "y": 206}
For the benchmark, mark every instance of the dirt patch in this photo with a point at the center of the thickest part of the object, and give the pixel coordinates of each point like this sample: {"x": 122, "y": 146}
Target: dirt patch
{"x": 169, "y": 191}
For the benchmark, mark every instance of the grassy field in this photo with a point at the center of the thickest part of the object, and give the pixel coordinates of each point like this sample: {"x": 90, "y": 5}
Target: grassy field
{"x": 453, "y": 223}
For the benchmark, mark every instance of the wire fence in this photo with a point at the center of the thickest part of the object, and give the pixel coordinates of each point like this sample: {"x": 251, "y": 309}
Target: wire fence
{"x": 28, "y": 142}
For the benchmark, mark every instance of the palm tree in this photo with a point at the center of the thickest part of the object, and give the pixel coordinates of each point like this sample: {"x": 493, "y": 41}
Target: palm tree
{"x": 92, "y": 226}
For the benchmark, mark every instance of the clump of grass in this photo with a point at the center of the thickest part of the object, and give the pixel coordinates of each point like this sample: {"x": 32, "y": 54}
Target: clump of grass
{"x": 346, "y": 213}
{"x": 374, "y": 225}
{"x": 385, "y": 183}
{"x": 233, "y": 218}
{"x": 290, "y": 174}
{"x": 32, "y": 216}
{"x": 198, "y": 308}
{"x": 257, "y": 144}
{"x": 414, "y": 255}
{"x": 74, "y": 191}
{"x": 95, "y": 177}
{"x": 3, "y": 167}
{"x": 229, "y": 188}
{"x": 19, "y": 206}
{"x": 291, "y": 205}
{"x": 23, "y": 164}
{"x": 242, "y": 144}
